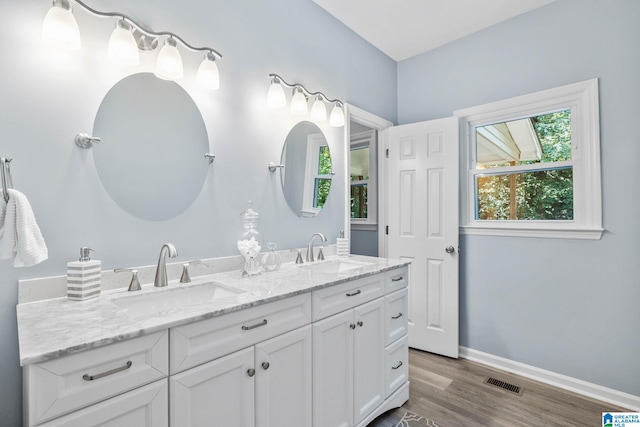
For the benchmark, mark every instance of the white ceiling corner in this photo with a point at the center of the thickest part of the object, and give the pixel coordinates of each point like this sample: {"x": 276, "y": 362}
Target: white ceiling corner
{"x": 405, "y": 28}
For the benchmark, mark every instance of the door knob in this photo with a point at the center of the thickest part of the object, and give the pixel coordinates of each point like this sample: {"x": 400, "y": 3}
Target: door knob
{"x": 449, "y": 249}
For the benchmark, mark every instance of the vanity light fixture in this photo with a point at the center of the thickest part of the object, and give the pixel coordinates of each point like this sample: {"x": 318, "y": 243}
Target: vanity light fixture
{"x": 60, "y": 27}
{"x": 127, "y": 40}
{"x": 169, "y": 63}
{"x": 276, "y": 99}
{"x": 123, "y": 49}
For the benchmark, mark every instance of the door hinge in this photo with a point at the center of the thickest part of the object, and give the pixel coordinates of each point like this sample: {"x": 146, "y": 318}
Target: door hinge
{"x": 386, "y": 229}
{"x": 386, "y": 153}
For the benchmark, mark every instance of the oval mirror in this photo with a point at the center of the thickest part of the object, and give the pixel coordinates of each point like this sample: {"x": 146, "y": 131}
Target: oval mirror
{"x": 153, "y": 140}
{"x": 308, "y": 171}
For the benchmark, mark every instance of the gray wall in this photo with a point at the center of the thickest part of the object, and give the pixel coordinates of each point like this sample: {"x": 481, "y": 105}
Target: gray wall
{"x": 47, "y": 98}
{"x": 567, "y": 306}
{"x": 364, "y": 242}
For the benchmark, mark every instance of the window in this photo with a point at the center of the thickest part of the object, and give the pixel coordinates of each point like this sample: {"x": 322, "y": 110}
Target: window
{"x": 362, "y": 171}
{"x": 318, "y": 176}
{"x": 532, "y": 165}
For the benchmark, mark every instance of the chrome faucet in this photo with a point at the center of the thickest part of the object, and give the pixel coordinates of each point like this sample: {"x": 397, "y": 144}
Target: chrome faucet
{"x": 161, "y": 271}
{"x": 310, "y": 246}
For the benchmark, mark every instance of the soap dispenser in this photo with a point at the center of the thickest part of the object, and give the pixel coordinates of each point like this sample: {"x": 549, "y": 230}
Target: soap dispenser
{"x": 83, "y": 277}
{"x": 342, "y": 245}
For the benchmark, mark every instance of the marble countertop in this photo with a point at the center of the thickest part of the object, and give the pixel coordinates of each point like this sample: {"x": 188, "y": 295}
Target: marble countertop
{"x": 57, "y": 327}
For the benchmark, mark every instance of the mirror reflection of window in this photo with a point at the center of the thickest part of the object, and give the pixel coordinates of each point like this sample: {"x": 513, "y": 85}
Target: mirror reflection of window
{"x": 524, "y": 169}
{"x": 319, "y": 174}
{"x": 322, "y": 183}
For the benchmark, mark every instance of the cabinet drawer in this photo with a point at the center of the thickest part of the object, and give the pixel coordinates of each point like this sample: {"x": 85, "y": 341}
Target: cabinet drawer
{"x": 200, "y": 342}
{"x": 397, "y": 366}
{"x": 143, "y": 407}
{"x": 63, "y": 385}
{"x": 397, "y": 279}
{"x": 334, "y": 299}
{"x": 396, "y": 313}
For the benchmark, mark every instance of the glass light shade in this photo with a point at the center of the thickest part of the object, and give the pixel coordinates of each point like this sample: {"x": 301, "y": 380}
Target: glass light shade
{"x": 336, "y": 119}
{"x": 318, "y": 110}
{"x": 123, "y": 48}
{"x": 208, "y": 76}
{"x": 169, "y": 63}
{"x": 299, "y": 105}
{"x": 275, "y": 96}
{"x": 61, "y": 29}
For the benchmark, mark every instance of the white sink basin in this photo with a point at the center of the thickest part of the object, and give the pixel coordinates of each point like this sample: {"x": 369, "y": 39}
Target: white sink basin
{"x": 176, "y": 297}
{"x": 335, "y": 266}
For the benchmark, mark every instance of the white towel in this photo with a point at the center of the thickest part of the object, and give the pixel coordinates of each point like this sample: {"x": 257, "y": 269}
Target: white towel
{"x": 20, "y": 237}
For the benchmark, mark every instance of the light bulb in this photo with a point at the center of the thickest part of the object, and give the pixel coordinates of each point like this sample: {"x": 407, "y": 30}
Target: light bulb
{"x": 60, "y": 28}
{"x": 123, "y": 48}
{"x": 337, "y": 116}
{"x": 298, "y": 103}
{"x": 208, "y": 76}
{"x": 318, "y": 110}
{"x": 169, "y": 62}
{"x": 275, "y": 96}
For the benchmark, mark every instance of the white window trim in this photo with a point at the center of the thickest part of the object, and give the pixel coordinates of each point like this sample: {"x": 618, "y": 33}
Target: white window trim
{"x": 314, "y": 142}
{"x": 367, "y": 138}
{"x": 582, "y": 99}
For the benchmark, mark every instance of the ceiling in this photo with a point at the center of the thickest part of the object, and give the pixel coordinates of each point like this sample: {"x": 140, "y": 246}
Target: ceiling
{"x": 405, "y": 28}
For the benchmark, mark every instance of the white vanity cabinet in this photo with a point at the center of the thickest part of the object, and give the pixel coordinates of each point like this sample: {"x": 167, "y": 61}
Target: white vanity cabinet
{"x": 335, "y": 355}
{"x": 265, "y": 384}
{"x": 351, "y": 361}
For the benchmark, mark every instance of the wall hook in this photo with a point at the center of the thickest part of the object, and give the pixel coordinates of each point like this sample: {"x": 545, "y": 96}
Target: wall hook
{"x": 274, "y": 166}
{"x": 209, "y": 156}
{"x": 84, "y": 140}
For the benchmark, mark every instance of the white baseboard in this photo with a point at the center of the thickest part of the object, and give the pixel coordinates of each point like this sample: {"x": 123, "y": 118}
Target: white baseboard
{"x": 575, "y": 385}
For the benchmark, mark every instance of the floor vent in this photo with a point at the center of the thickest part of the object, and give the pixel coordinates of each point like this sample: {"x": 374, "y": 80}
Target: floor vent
{"x": 503, "y": 385}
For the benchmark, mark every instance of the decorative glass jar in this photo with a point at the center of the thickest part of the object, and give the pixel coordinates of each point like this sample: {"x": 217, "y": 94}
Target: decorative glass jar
{"x": 250, "y": 241}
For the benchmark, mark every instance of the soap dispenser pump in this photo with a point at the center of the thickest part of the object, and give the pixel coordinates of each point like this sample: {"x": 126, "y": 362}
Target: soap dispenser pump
{"x": 83, "y": 277}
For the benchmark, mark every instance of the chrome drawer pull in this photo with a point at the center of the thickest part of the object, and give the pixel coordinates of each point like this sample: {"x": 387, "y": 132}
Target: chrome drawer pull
{"x": 88, "y": 377}
{"x": 397, "y": 279}
{"x": 396, "y": 367}
{"x": 257, "y": 325}
{"x": 397, "y": 317}
{"x": 358, "y": 292}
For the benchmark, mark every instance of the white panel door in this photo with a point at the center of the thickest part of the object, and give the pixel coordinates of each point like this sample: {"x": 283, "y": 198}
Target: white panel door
{"x": 283, "y": 380}
{"x": 422, "y": 194}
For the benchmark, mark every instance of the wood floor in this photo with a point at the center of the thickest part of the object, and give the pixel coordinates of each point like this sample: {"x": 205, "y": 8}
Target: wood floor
{"x": 452, "y": 393}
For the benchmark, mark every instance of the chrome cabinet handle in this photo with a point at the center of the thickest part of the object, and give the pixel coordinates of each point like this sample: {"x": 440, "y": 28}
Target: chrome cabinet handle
{"x": 398, "y": 366}
{"x": 352, "y": 326}
{"x": 397, "y": 317}
{"x": 449, "y": 249}
{"x": 265, "y": 365}
{"x": 358, "y": 292}
{"x": 397, "y": 279}
{"x": 257, "y": 325}
{"x": 360, "y": 323}
{"x": 251, "y": 372}
{"x": 88, "y": 377}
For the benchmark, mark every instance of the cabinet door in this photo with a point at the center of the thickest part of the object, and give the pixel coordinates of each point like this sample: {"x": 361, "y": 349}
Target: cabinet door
{"x": 283, "y": 380}
{"x": 143, "y": 407}
{"x": 218, "y": 393}
{"x": 369, "y": 359}
{"x": 333, "y": 371}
